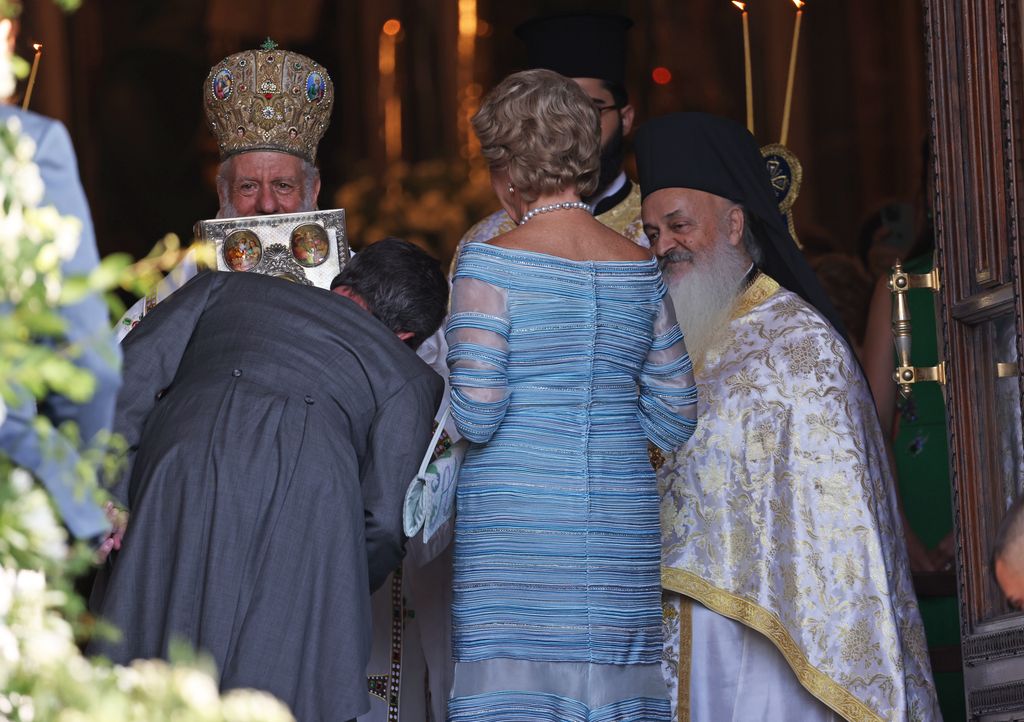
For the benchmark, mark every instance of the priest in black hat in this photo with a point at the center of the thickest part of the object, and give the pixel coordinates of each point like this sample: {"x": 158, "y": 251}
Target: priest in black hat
{"x": 786, "y": 582}
{"x": 590, "y": 49}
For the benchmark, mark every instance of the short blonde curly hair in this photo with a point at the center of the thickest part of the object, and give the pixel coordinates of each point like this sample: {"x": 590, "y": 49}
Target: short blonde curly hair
{"x": 544, "y": 131}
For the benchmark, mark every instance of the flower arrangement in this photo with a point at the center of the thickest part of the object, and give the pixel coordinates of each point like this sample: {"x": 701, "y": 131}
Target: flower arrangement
{"x": 43, "y": 675}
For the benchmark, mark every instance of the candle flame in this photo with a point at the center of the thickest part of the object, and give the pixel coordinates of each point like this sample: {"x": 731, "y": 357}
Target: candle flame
{"x": 392, "y": 27}
{"x": 799, "y": 4}
{"x": 37, "y": 46}
{"x": 741, "y": 6}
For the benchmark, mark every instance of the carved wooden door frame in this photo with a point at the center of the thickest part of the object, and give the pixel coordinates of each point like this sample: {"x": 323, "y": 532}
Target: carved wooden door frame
{"x": 975, "y": 72}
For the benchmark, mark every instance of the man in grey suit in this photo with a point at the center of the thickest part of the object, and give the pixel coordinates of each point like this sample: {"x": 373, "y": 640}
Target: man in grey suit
{"x": 87, "y": 329}
{"x": 274, "y": 428}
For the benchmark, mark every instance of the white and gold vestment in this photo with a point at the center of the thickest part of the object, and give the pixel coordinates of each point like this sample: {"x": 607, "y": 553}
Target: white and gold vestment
{"x": 781, "y": 513}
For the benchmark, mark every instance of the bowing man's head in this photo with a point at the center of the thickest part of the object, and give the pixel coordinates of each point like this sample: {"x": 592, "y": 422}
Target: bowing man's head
{"x": 400, "y": 284}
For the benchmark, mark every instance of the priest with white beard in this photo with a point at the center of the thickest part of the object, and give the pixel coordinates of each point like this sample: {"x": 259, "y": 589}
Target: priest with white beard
{"x": 787, "y": 592}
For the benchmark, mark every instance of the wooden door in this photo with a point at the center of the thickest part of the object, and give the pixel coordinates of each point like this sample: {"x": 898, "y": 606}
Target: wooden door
{"x": 976, "y": 67}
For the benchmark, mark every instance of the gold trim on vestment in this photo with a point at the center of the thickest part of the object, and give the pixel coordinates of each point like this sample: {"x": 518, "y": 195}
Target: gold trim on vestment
{"x": 685, "y": 659}
{"x": 760, "y": 290}
{"x": 623, "y": 214}
{"x": 819, "y": 684}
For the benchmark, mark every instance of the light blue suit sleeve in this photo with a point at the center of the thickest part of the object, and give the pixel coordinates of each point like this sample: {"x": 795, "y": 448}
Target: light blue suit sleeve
{"x": 88, "y": 327}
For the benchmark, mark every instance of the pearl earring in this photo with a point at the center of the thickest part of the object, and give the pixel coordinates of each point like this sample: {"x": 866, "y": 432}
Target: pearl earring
{"x": 511, "y": 188}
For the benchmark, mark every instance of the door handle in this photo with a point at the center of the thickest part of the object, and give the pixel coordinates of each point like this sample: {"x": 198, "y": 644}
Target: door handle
{"x": 900, "y": 282}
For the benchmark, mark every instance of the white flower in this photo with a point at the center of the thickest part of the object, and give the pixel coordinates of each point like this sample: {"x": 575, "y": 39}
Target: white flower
{"x": 197, "y": 689}
{"x": 247, "y": 705}
{"x": 47, "y": 537}
{"x": 28, "y": 184}
{"x": 49, "y": 646}
{"x": 30, "y": 584}
{"x": 52, "y": 284}
{"x": 7, "y": 82}
{"x": 28, "y": 277}
{"x": 21, "y": 481}
{"x": 10, "y": 654}
{"x": 67, "y": 236}
{"x": 47, "y": 258}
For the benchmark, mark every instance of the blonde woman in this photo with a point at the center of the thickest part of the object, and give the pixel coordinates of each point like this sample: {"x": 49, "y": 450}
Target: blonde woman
{"x": 565, "y": 359}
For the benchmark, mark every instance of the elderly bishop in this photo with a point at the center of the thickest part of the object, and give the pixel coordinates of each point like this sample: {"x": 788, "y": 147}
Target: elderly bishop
{"x": 787, "y": 594}
{"x": 268, "y": 109}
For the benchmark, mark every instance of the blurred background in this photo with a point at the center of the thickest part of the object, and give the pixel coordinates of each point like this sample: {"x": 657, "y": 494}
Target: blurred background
{"x": 126, "y": 77}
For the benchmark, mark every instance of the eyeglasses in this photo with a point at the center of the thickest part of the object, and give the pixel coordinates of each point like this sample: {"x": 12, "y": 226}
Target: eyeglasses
{"x": 602, "y": 108}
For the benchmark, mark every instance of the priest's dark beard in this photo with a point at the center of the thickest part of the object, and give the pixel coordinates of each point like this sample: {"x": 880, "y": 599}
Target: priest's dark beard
{"x": 612, "y": 156}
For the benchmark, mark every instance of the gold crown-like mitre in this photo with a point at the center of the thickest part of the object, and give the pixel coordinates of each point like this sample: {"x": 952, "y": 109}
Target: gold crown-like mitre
{"x": 268, "y": 99}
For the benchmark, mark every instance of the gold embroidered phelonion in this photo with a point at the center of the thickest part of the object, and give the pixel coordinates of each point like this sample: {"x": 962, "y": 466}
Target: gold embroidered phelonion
{"x": 567, "y": 205}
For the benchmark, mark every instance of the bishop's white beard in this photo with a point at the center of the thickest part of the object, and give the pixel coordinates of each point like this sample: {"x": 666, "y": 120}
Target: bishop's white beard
{"x": 705, "y": 295}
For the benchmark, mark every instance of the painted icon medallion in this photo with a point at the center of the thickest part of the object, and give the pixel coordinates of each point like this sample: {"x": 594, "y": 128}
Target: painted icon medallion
{"x": 310, "y": 245}
{"x": 222, "y": 84}
{"x": 316, "y": 86}
{"x": 242, "y": 250}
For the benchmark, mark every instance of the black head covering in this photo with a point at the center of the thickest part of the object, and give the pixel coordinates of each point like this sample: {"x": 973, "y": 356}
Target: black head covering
{"x": 719, "y": 156}
{"x": 578, "y": 46}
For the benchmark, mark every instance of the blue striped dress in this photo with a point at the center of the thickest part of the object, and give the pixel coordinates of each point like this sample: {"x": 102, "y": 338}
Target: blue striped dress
{"x": 561, "y": 371}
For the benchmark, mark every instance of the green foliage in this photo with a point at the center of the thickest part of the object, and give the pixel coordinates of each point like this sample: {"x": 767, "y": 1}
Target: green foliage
{"x": 43, "y": 675}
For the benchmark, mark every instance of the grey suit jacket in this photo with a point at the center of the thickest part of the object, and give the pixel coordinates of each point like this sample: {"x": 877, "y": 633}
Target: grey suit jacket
{"x": 274, "y": 428}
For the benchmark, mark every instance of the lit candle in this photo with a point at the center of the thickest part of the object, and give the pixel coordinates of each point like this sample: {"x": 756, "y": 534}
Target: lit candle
{"x": 468, "y": 91}
{"x": 32, "y": 75}
{"x": 792, "y": 70}
{"x": 746, "y": 65}
{"x": 388, "y": 90}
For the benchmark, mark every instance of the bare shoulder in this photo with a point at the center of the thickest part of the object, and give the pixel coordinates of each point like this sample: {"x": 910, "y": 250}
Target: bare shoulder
{"x": 620, "y": 248}
{"x": 510, "y": 239}
{"x": 578, "y": 240}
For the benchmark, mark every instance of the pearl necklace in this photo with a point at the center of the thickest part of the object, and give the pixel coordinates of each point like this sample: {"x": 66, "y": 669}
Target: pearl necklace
{"x": 567, "y": 205}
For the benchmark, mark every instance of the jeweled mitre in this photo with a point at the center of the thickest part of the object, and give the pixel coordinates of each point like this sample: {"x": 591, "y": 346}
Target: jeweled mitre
{"x": 268, "y": 99}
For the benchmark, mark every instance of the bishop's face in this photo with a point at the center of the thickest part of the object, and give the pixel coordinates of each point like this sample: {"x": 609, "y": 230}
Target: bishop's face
{"x": 683, "y": 225}
{"x": 264, "y": 182}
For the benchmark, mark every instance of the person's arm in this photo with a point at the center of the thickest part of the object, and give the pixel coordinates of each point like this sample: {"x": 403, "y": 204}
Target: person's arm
{"x": 667, "y": 406}
{"x": 477, "y": 334}
{"x": 398, "y": 439}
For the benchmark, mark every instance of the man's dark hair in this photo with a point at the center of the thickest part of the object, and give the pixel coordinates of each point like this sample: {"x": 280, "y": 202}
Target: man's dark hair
{"x": 403, "y": 287}
{"x": 618, "y": 92}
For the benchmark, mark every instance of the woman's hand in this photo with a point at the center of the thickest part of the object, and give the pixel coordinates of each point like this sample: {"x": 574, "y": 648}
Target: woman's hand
{"x": 118, "y": 519}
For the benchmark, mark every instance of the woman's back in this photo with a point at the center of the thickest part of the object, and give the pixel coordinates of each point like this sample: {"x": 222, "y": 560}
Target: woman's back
{"x": 547, "y": 357}
{"x": 580, "y": 332}
{"x": 564, "y": 357}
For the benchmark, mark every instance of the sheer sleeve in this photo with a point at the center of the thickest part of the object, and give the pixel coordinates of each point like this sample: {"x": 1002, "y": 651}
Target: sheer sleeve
{"x": 477, "y": 336}
{"x": 668, "y": 397}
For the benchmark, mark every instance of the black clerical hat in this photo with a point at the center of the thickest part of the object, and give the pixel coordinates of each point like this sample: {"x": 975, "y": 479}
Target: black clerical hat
{"x": 578, "y": 46}
{"x": 719, "y": 156}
